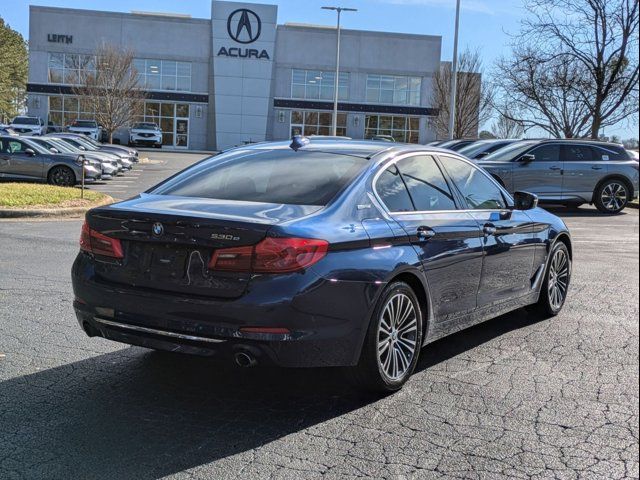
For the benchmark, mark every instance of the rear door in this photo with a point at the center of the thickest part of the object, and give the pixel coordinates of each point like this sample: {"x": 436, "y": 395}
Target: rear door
{"x": 543, "y": 175}
{"x": 507, "y": 234}
{"x": 583, "y": 169}
{"x": 447, "y": 241}
{"x": 15, "y": 162}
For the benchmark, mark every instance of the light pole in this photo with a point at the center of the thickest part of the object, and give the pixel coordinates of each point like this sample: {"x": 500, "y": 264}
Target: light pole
{"x": 336, "y": 84}
{"x": 454, "y": 75}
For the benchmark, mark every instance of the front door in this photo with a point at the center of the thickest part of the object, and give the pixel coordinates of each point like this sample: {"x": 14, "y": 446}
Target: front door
{"x": 447, "y": 241}
{"x": 543, "y": 175}
{"x": 16, "y": 162}
{"x": 507, "y": 234}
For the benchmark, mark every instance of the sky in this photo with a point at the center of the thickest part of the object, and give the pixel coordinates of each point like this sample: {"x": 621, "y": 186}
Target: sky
{"x": 484, "y": 24}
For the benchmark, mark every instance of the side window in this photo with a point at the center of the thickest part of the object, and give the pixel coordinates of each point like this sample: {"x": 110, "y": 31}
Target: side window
{"x": 609, "y": 154}
{"x": 478, "y": 190}
{"x": 427, "y": 186}
{"x": 16, "y": 146}
{"x": 393, "y": 191}
{"x": 577, "y": 153}
{"x": 547, "y": 153}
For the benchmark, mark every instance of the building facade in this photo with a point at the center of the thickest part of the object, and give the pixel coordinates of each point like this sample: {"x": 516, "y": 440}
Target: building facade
{"x": 238, "y": 77}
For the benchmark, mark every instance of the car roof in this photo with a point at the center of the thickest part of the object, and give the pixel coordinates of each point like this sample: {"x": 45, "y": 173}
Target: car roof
{"x": 585, "y": 141}
{"x": 358, "y": 148}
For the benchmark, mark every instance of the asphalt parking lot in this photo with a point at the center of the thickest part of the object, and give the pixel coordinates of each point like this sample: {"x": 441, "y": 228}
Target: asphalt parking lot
{"x": 516, "y": 397}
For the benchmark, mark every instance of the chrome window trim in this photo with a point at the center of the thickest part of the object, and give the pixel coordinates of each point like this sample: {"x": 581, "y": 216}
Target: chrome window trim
{"x": 392, "y": 161}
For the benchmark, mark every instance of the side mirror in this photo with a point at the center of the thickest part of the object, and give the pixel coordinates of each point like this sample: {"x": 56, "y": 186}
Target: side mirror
{"x": 482, "y": 155}
{"x": 30, "y": 152}
{"x": 54, "y": 150}
{"x": 525, "y": 201}
{"x": 527, "y": 158}
{"x": 82, "y": 148}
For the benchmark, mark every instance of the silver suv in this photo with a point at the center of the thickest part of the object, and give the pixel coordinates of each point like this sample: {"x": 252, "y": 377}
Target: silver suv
{"x": 569, "y": 172}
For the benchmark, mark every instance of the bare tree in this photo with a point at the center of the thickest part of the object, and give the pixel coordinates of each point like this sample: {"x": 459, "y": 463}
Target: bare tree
{"x": 596, "y": 41}
{"x": 542, "y": 92}
{"x": 473, "y": 98}
{"x": 506, "y": 126}
{"x": 111, "y": 90}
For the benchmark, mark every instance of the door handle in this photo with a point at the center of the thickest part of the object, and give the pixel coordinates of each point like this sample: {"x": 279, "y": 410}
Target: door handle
{"x": 489, "y": 229}
{"x": 425, "y": 233}
{"x": 555, "y": 168}
{"x": 596, "y": 168}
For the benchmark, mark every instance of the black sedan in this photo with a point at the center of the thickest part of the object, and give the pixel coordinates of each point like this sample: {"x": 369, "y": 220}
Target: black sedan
{"x": 318, "y": 253}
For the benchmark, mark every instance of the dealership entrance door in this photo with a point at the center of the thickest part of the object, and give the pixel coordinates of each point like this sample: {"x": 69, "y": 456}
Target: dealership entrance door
{"x": 173, "y": 120}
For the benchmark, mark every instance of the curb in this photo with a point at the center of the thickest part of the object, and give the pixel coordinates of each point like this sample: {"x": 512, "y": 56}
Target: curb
{"x": 50, "y": 212}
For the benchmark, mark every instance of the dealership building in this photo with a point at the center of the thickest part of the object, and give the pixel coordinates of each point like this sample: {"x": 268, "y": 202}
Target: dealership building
{"x": 238, "y": 76}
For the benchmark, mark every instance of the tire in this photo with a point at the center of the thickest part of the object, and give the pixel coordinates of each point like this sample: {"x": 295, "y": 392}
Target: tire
{"x": 386, "y": 370}
{"x": 158, "y": 145}
{"x": 612, "y": 196}
{"x": 61, "y": 176}
{"x": 557, "y": 280}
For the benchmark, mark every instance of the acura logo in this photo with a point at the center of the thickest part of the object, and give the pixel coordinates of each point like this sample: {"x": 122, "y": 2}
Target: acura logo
{"x": 157, "y": 229}
{"x": 244, "y": 26}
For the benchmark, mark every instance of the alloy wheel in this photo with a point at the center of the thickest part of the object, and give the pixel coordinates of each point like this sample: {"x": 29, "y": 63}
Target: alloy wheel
{"x": 614, "y": 196}
{"x": 397, "y": 336}
{"x": 558, "y": 279}
{"x": 62, "y": 177}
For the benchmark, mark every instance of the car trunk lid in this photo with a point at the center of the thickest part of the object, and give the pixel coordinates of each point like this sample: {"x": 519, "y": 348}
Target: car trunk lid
{"x": 168, "y": 241}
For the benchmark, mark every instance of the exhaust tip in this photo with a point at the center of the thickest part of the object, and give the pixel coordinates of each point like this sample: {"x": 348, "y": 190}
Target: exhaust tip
{"x": 245, "y": 360}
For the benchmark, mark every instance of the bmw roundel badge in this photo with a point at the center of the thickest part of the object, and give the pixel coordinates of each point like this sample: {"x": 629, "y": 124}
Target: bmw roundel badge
{"x": 157, "y": 229}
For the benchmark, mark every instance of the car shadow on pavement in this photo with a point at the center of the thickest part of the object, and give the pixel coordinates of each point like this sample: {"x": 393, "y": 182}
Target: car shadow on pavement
{"x": 583, "y": 211}
{"x": 140, "y": 414}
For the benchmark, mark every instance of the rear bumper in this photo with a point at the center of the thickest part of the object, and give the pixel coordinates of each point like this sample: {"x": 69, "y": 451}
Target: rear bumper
{"x": 326, "y": 320}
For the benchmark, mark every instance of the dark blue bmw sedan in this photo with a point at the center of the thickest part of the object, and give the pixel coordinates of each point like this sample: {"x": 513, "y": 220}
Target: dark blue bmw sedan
{"x": 318, "y": 253}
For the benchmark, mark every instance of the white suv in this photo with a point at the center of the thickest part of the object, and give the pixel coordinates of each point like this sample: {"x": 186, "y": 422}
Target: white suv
{"x": 145, "y": 133}
{"x": 90, "y": 128}
{"x": 26, "y": 125}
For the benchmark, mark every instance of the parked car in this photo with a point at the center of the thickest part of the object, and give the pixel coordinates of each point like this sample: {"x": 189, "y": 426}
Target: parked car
{"x": 122, "y": 150}
{"x": 84, "y": 144}
{"x": 482, "y": 148}
{"x": 318, "y": 253}
{"x": 109, "y": 165}
{"x": 28, "y": 125}
{"x": 89, "y": 128}
{"x": 456, "y": 145}
{"x": 22, "y": 159}
{"x": 7, "y": 130}
{"x": 570, "y": 172}
{"x": 145, "y": 133}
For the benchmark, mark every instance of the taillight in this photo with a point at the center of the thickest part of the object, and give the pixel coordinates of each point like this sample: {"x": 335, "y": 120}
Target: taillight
{"x": 271, "y": 255}
{"x": 95, "y": 242}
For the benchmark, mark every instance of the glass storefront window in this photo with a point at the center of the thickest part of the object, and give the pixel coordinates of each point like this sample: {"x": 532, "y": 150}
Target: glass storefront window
{"x": 401, "y": 128}
{"x": 311, "y": 122}
{"x": 69, "y": 68}
{"x": 393, "y": 89}
{"x": 318, "y": 85}
{"x": 163, "y": 74}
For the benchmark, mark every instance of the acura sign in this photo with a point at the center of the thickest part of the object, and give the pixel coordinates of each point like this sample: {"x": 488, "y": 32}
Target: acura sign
{"x": 244, "y": 26}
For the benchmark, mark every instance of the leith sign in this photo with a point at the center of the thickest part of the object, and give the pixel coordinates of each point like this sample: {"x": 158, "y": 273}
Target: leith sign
{"x": 58, "y": 38}
{"x": 244, "y": 26}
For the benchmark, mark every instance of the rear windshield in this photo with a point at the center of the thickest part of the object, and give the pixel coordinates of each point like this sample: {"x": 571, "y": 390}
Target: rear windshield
{"x": 26, "y": 121}
{"x": 269, "y": 176}
{"x": 85, "y": 124}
